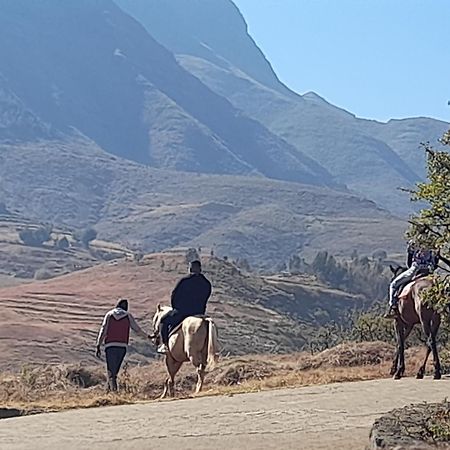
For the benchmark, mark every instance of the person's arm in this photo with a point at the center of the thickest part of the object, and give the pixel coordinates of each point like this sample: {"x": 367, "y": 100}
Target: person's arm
{"x": 102, "y": 333}
{"x": 409, "y": 255}
{"x": 209, "y": 290}
{"x": 136, "y": 328}
{"x": 175, "y": 297}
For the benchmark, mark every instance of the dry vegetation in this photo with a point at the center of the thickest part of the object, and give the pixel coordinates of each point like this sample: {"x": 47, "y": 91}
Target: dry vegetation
{"x": 54, "y": 388}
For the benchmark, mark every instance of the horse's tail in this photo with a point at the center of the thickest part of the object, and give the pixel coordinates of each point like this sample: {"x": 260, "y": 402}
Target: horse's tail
{"x": 212, "y": 344}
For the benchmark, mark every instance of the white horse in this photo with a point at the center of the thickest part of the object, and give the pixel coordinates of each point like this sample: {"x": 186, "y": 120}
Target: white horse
{"x": 195, "y": 340}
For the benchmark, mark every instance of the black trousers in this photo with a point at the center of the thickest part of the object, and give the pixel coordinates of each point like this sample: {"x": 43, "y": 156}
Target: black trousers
{"x": 114, "y": 360}
{"x": 169, "y": 322}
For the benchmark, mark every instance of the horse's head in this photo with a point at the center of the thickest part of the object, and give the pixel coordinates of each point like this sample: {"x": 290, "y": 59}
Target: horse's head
{"x": 396, "y": 271}
{"x": 161, "y": 311}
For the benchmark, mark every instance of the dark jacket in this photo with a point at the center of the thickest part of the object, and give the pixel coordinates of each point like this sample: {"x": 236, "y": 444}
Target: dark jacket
{"x": 425, "y": 259}
{"x": 191, "y": 295}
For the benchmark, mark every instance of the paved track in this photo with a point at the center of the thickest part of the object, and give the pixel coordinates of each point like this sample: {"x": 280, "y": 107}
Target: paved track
{"x": 336, "y": 416}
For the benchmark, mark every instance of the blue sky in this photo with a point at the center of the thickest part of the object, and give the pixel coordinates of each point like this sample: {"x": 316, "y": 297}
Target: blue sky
{"x": 379, "y": 59}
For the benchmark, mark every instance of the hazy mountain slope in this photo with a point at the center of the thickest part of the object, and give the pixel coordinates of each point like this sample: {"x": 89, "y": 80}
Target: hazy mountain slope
{"x": 115, "y": 84}
{"x": 406, "y": 135}
{"x": 214, "y": 30}
{"x": 372, "y": 158}
{"x": 331, "y": 136}
{"x": 77, "y": 184}
{"x": 16, "y": 119}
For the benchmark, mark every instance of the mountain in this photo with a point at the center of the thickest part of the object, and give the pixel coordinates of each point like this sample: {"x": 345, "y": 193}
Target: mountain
{"x": 212, "y": 42}
{"x": 76, "y": 184}
{"x": 114, "y": 84}
{"x": 106, "y": 127}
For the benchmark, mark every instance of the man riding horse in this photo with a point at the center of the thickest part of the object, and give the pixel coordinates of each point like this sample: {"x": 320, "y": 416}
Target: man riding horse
{"x": 420, "y": 262}
{"x": 189, "y": 298}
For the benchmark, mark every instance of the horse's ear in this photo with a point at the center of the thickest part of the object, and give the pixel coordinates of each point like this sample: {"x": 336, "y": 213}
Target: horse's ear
{"x": 393, "y": 269}
{"x": 158, "y": 308}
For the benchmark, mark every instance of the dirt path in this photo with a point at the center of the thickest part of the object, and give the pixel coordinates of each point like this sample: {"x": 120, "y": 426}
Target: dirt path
{"x": 337, "y": 416}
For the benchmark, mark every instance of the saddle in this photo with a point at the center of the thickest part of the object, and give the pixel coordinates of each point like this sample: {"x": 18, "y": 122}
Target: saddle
{"x": 175, "y": 329}
{"x": 405, "y": 290}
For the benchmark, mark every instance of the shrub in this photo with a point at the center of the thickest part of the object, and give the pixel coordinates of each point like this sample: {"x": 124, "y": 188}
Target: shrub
{"x": 63, "y": 243}
{"x": 42, "y": 274}
{"x": 86, "y": 236}
{"x": 192, "y": 255}
{"x": 35, "y": 237}
{"x": 138, "y": 257}
{"x": 3, "y": 209}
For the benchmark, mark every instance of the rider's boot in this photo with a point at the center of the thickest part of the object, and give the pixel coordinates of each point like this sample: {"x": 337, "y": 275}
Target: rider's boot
{"x": 162, "y": 349}
{"x": 392, "y": 313}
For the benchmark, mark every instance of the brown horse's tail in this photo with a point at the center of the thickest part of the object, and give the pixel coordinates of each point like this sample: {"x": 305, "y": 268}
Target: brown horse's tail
{"x": 212, "y": 344}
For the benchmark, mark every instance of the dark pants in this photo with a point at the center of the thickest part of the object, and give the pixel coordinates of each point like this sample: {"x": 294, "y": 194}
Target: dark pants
{"x": 114, "y": 359}
{"x": 169, "y": 322}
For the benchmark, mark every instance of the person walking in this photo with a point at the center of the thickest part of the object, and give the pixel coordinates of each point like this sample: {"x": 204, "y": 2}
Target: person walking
{"x": 115, "y": 334}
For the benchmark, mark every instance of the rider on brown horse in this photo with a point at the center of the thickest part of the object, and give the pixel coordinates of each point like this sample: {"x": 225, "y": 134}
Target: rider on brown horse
{"x": 420, "y": 262}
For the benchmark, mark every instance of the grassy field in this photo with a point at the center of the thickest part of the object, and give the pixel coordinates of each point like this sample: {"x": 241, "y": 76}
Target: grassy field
{"x": 55, "y": 388}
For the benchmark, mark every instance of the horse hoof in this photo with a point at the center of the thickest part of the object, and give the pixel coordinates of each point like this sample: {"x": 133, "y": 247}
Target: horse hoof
{"x": 419, "y": 376}
{"x": 397, "y": 376}
{"x": 437, "y": 376}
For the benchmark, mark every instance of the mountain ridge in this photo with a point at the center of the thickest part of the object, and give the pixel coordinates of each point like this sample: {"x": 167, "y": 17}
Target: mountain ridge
{"x": 107, "y": 93}
{"x": 379, "y": 161}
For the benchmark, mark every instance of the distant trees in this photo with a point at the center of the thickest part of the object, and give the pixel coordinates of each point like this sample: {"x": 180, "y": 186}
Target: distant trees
{"x": 62, "y": 243}
{"x": 242, "y": 263}
{"x": 296, "y": 264}
{"x": 379, "y": 255}
{"x": 35, "y": 237}
{"x": 431, "y": 226}
{"x": 3, "y": 209}
{"x": 359, "y": 275}
{"x": 138, "y": 256}
{"x": 86, "y": 236}
{"x": 192, "y": 255}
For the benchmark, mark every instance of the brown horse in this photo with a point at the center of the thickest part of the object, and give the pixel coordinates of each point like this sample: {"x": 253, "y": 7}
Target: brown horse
{"x": 413, "y": 311}
{"x": 195, "y": 340}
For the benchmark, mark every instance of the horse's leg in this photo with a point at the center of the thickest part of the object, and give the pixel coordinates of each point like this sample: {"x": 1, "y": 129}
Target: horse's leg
{"x": 394, "y": 362}
{"x": 427, "y": 332}
{"x": 399, "y": 329}
{"x": 433, "y": 333}
{"x": 172, "y": 368}
{"x": 406, "y": 332}
{"x": 200, "y": 377}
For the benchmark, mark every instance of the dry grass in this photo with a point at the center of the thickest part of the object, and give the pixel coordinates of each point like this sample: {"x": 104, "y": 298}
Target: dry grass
{"x": 55, "y": 388}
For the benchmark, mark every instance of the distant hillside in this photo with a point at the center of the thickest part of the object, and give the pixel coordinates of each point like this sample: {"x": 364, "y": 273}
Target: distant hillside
{"x": 371, "y": 158}
{"x": 21, "y": 262}
{"x": 95, "y": 71}
{"x": 78, "y": 185}
{"x": 253, "y": 316}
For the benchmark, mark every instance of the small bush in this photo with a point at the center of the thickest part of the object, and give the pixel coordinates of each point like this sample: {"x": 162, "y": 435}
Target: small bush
{"x": 86, "y": 236}
{"x": 42, "y": 274}
{"x": 35, "y": 238}
{"x": 63, "y": 243}
{"x": 4, "y": 209}
{"x": 192, "y": 255}
{"x": 83, "y": 377}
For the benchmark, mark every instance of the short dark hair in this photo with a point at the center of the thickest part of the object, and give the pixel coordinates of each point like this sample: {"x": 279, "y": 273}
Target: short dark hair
{"x": 123, "y": 304}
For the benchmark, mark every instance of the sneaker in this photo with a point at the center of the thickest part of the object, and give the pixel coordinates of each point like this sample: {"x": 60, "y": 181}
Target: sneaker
{"x": 162, "y": 349}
